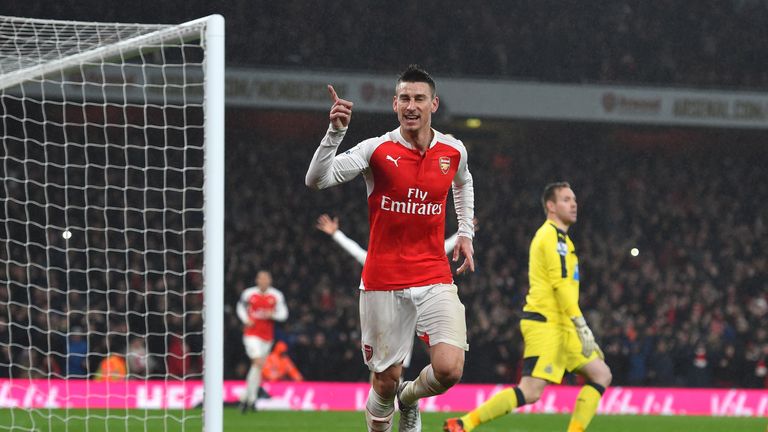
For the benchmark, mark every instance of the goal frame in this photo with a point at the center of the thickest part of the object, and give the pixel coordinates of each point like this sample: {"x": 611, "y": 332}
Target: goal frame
{"x": 213, "y": 187}
{"x": 213, "y": 229}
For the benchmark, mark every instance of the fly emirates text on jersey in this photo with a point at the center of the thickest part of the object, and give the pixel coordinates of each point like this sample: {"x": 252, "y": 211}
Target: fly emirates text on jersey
{"x": 411, "y": 206}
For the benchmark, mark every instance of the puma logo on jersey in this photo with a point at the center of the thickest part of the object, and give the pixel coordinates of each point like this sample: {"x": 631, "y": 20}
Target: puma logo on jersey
{"x": 394, "y": 161}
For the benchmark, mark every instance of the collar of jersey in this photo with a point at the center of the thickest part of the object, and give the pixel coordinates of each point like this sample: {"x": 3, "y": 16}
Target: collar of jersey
{"x": 398, "y": 137}
{"x": 557, "y": 229}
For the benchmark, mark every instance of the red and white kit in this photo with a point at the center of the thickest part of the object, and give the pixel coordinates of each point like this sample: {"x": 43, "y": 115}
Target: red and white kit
{"x": 407, "y": 193}
{"x": 258, "y": 311}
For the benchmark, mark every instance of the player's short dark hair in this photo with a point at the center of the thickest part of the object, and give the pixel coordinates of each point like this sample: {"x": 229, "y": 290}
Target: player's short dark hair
{"x": 549, "y": 193}
{"x": 415, "y": 73}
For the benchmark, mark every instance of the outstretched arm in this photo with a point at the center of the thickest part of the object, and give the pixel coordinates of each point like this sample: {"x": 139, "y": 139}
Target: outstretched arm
{"x": 327, "y": 224}
{"x": 350, "y": 246}
{"x": 331, "y": 227}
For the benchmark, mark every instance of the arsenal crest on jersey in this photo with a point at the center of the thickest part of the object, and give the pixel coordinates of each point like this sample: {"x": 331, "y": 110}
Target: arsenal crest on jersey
{"x": 445, "y": 164}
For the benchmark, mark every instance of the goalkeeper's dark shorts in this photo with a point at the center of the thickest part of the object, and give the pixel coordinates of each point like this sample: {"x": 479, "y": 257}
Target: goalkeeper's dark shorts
{"x": 551, "y": 349}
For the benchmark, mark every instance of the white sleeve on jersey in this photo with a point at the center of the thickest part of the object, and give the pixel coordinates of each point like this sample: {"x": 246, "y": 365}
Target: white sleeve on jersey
{"x": 450, "y": 243}
{"x": 242, "y": 307}
{"x": 281, "y": 310}
{"x": 350, "y": 246}
{"x": 328, "y": 169}
{"x": 464, "y": 197}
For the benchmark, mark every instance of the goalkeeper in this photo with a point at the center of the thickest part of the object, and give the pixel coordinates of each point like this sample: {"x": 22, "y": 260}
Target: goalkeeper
{"x": 555, "y": 333}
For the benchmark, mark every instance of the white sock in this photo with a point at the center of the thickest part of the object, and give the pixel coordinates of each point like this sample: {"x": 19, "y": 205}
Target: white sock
{"x": 380, "y": 411}
{"x": 253, "y": 381}
{"x": 378, "y": 406}
{"x": 425, "y": 385}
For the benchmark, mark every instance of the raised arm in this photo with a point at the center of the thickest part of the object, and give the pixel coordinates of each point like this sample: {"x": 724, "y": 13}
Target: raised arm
{"x": 327, "y": 169}
{"x": 331, "y": 227}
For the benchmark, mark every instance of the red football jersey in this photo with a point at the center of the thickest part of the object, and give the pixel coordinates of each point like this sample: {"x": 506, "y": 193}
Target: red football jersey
{"x": 407, "y": 193}
{"x": 252, "y": 302}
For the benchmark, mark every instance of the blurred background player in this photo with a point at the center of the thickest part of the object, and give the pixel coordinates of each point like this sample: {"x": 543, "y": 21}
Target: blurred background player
{"x": 259, "y": 307}
{"x": 407, "y": 285}
{"x": 556, "y": 335}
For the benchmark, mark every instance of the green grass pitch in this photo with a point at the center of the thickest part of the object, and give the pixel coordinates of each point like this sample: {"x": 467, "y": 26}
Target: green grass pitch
{"x": 286, "y": 421}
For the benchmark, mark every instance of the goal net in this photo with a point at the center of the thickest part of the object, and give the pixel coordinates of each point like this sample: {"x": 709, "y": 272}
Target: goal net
{"x": 111, "y": 225}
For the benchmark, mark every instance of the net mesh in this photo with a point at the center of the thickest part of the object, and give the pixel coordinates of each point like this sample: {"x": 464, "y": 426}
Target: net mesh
{"x": 101, "y": 219}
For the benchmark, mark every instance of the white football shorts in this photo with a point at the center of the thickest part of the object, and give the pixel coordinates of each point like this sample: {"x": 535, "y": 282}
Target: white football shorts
{"x": 388, "y": 320}
{"x": 256, "y": 347}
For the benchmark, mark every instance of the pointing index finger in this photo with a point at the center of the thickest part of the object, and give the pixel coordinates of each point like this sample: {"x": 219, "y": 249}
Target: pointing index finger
{"x": 332, "y": 91}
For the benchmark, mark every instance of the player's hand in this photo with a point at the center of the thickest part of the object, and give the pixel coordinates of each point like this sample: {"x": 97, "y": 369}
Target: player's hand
{"x": 585, "y": 336}
{"x": 464, "y": 247}
{"x": 341, "y": 111}
{"x": 327, "y": 225}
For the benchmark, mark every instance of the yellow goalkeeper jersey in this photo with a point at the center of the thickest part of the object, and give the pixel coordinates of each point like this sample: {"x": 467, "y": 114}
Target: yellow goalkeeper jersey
{"x": 553, "y": 273}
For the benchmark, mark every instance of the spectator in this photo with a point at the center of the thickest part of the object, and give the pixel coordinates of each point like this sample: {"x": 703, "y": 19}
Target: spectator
{"x": 113, "y": 367}
{"x": 627, "y": 41}
{"x": 727, "y": 368}
{"x": 137, "y": 359}
{"x": 77, "y": 353}
{"x": 279, "y": 367}
{"x": 661, "y": 366}
{"x": 700, "y": 374}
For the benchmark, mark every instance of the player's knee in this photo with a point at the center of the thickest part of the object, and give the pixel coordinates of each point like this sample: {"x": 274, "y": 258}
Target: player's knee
{"x": 448, "y": 375}
{"x": 600, "y": 374}
{"x": 605, "y": 376}
{"x": 385, "y": 383}
{"x": 531, "y": 389}
{"x": 532, "y": 394}
{"x": 386, "y": 388}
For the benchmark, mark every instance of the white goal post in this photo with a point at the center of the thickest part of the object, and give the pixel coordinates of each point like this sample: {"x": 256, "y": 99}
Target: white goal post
{"x": 111, "y": 225}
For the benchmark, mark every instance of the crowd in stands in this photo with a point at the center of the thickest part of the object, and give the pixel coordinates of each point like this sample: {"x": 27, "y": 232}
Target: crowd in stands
{"x": 707, "y": 43}
{"x": 101, "y": 264}
{"x": 689, "y": 310}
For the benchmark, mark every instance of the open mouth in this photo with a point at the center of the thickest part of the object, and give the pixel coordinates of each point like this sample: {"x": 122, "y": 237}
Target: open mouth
{"x": 411, "y": 117}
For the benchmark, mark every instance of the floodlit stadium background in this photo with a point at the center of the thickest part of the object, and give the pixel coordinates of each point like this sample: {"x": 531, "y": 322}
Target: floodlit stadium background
{"x": 656, "y": 114}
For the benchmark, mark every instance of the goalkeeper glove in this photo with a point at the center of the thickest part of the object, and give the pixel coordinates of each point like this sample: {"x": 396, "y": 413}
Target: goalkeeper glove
{"x": 585, "y": 336}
